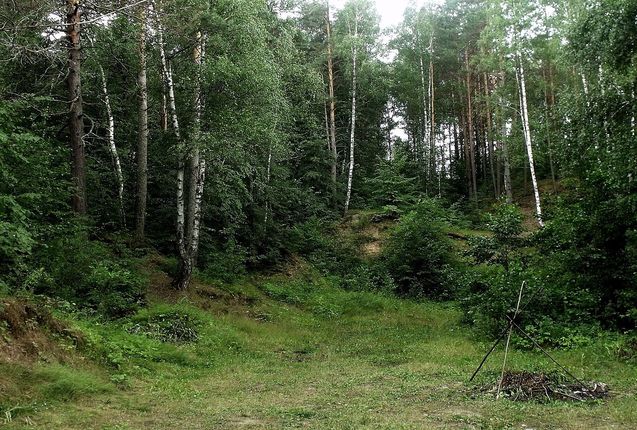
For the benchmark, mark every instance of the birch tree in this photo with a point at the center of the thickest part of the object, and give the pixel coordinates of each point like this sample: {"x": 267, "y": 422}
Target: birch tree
{"x": 354, "y": 50}
{"x": 332, "y": 97}
{"x": 524, "y": 116}
{"x": 359, "y": 26}
{"x": 112, "y": 147}
{"x": 142, "y": 137}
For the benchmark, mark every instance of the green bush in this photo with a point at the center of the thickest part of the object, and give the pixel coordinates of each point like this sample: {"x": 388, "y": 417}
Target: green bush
{"x": 418, "y": 254}
{"x": 113, "y": 291}
{"x": 82, "y": 271}
{"x": 225, "y": 264}
{"x": 371, "y": 276}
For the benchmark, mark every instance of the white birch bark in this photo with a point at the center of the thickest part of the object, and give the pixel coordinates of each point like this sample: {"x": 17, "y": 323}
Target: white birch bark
{"x": 112, "y": 147}
{"x": 172, "y": 106}
{"x": 432, "y": 125}
{"x": 350, "y": 175}
{"x": 423, "y": 96}
{"x": 332, "y": 101}
{"x": 142, "y": 140}
{"x": 524, "y": 115}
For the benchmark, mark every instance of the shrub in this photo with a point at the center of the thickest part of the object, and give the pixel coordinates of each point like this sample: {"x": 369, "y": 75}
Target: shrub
{"x": 369, "y": 277}
{"x": 505, "y": 222}
{"x": 418, "y": 254}
{"x": 113, "y": 291}
{"x": 82, "y": 271}
{"x": 225, "y": 264}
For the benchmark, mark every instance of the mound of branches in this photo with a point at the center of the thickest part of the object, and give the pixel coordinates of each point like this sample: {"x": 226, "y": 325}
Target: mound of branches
{"x": 525, "y": 386}
{"x": 169, "y": 327}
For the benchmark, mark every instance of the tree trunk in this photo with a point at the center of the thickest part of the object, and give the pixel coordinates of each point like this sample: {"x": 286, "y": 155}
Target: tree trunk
{"x": 456, "y": 153}
{"x": 76, "y": 114}
{"x": 332, "y": 101}
{"x": 350, "y": 175}
{"x": 524, "y": 115}
{"x": 508, "y": 189}
{"x": 489, "y": 137}
{"x": 432, "y": 124}
{"x": 185, "y": 264}
{"x": 197, "y": 175}
{"x": 142, "y": 138}
{"x": 267, "y": 181}
{"x": 548, "y": 98}
{"x": 424, "y": 120}
{"x": 113, "y": 148}
{"x": 470, "y": 138}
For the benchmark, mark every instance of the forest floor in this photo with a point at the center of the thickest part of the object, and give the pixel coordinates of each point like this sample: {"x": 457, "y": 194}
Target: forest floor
{"x": 293, "y": 351}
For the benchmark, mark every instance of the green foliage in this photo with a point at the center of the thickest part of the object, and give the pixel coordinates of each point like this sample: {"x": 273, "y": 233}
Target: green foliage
{"x": 482, "y": 248}
{"x": 391, "y": 185}
{"x": 506, "y": 223}
{"x": 226, "y": 264}
{"x": 549, "y": 333}
{"x": 112, "y": 290}
{"x": 16, "y": 241}
{"x": 84, "y": 272}
{"x": 418, "y": 254}
{"x": 372, "y": 277}
{"x": 318, "y": 241}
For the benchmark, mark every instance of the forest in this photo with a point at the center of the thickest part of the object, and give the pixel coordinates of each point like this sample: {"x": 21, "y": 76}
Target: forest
{"x": 289, "y": 214}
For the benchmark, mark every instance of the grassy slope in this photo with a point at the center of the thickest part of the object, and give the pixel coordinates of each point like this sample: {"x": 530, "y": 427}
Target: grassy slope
{"x": 292, "y": 351}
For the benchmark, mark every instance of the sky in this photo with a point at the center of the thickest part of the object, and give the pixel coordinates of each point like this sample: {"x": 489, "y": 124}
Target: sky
{"x": 390, "y": 11}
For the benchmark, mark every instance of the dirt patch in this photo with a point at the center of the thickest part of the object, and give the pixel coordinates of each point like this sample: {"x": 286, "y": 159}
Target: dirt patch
{"x": 372, "y": 249}
{"x": 28, "y": 332}
{"x": 525, "y": 386}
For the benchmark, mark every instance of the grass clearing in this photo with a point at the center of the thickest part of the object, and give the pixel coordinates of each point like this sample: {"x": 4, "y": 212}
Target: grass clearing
{"x": 303, "y": 354}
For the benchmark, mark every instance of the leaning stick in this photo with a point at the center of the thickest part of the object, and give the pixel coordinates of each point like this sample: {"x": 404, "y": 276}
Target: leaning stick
{"x": 501, "y": 336}
{"x": 506, "y": 348}
{"x": 548, "y": 355}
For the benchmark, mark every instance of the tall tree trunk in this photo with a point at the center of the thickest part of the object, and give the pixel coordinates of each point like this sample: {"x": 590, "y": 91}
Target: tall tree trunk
{"x": 112, "y": 148}
{"x": 267, "y": 181}
{"x": 470, "y": 131}
{"x": 142, "y": 136}
{"x": 424, "y": 120}
{"x": 467, "y": 156}
{"x": 76, "y": 114}
{"x": 548, "y": 100}
{"x": 508, "y": 188}
{"x": 524, "y": 115}
{"x": 489, "y": 137}
{"x": 456, "y": 153}
{"x": 350, "y": 175}
{"x": 181, "y": 216}
{"x": 432, "y": 112}
{"x": 332, "y": 100}
{"x": 196, "y": 180}
{"x": 163, "y": 113}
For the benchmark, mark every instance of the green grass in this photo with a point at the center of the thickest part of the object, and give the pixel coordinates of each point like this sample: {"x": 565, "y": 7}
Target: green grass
{"x": 304, "y": 354}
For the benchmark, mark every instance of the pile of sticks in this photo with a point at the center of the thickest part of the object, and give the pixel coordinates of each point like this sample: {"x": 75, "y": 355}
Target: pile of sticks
{"x": 524, "y": 386}
{"x": 528, "y": 385}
